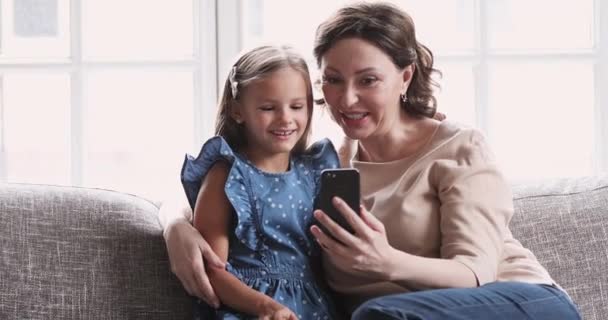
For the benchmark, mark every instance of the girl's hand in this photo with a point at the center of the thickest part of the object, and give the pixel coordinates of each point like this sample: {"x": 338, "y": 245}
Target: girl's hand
{"x": 366, "y": 253}
{"x": 273, "y": 310}
{"x": 439, "y": 116}
{"x": 283, "y": 314}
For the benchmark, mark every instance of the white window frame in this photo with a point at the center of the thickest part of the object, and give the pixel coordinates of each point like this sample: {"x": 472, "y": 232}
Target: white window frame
{"x": 218, "y": 39}
{"x": 230, "y": 26}
{"x": 203, "y": 65}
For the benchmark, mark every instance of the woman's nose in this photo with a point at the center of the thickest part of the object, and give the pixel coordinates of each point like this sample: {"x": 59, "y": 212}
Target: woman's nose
{"x": 350, "y": 96}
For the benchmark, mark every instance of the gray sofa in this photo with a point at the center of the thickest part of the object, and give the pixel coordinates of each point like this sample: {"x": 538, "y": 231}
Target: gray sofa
{"x": 77, "y": 253}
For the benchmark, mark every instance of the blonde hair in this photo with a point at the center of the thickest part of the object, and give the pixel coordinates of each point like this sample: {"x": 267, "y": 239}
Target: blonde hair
{"x": 255, "y": 65}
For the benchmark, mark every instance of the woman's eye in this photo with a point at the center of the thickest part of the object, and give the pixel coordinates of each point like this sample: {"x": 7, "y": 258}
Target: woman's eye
{"x": 330, "y": 79}
{"x": 369, "y": 80}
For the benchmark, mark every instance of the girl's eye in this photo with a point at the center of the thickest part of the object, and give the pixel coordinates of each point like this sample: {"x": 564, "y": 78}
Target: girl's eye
{"x": 266, "y": 108}
{"x": 297, "y": 106}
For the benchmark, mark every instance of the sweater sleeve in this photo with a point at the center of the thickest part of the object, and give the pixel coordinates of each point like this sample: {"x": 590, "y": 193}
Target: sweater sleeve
{"x": 476, "y": 207}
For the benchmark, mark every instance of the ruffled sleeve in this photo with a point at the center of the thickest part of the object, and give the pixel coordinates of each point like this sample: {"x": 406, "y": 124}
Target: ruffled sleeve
{"x": 320, "y": 156}
{"x": 237, "y": 186}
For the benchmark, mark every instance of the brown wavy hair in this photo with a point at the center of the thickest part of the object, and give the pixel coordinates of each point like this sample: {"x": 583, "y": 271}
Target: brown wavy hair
{"x": 391, "y": 30}
{"x": 254, "y": 65}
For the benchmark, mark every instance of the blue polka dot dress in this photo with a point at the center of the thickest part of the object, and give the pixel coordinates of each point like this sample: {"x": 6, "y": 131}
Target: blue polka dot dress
{"x": 271, "y": 249}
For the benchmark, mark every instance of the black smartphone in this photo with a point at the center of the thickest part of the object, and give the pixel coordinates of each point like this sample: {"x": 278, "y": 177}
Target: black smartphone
{"x": 343, "y": 183}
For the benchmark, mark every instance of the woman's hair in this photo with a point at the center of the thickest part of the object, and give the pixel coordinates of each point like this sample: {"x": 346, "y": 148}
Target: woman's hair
{"x": 252, "y": 66}
{"x": 392, "y": 31}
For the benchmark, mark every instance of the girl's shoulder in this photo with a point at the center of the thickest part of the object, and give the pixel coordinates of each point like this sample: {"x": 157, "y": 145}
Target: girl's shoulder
{"x": 194, "y": 169}
{"x": 217, "y": 147}
{"x": 320, "y": 155}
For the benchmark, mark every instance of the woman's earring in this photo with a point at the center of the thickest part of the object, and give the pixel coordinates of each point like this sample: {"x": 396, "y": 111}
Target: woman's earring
{"x": 403, "y": 97}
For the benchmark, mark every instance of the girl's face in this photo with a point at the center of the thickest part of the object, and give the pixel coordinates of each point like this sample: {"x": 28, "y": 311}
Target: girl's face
{"x": 274, "y": 112}
{"x": 361, "y": 86}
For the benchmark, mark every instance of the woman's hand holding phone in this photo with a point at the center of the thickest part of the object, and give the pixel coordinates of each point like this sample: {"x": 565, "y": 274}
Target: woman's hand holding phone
{"x": 365, "y": 250}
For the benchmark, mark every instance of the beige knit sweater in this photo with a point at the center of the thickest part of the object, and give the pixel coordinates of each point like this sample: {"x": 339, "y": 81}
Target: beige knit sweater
{"x": 448, "y": 201}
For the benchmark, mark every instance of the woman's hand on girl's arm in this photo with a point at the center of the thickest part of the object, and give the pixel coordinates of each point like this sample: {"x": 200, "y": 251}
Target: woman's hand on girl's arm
{"x": 187, "y": 249}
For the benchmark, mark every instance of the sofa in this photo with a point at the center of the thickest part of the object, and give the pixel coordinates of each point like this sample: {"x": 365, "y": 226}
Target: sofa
{"x": 80, "y": 253}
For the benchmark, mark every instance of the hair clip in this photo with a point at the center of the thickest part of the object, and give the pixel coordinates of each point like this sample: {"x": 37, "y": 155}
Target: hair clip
{"x": 233, "y": 83}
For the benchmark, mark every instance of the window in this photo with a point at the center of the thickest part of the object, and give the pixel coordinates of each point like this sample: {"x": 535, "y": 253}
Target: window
{"x": 98, "y": 104}
{"x": 533, "y": 87}
{"x": 116, "y": 105}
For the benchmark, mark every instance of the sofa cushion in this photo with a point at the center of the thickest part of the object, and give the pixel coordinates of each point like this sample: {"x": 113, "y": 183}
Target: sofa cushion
{"x": 76, "y": 253}
{"x": 565, "y": 223}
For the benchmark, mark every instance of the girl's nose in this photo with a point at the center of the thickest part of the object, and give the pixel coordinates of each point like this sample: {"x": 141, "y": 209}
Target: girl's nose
{"x": 285, "y": 115}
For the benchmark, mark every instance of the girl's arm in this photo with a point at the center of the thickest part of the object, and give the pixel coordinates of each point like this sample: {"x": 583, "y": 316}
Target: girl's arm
{"x": 212, "y": 217}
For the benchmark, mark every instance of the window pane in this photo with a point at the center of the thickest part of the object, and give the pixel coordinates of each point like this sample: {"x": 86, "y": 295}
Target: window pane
{"x": 265, "y": 20}
{"x": 541, "y": 118}
{"x": 138, "y": 125}
{"x": 540, "y": 24}
{"x": 138, "y": 29}
{"x": 456, "y": 97}
{"x": 455, "y": 33}
{"x": 37, "y": 128}
{"x": 34, "y": 29}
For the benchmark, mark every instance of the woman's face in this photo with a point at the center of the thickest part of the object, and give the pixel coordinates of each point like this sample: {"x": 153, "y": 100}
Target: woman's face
{"x": 361, "y": 86}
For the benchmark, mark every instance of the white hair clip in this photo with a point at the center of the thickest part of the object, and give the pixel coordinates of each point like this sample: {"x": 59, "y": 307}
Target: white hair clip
{"x": 233, "y": 83}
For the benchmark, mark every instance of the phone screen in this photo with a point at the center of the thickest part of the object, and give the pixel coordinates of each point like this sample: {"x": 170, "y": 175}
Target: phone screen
{"x": 343, "y": 183}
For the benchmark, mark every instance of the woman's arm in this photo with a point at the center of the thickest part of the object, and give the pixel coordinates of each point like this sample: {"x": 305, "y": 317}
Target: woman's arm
{"x": 213, "y": 222}
{"x": 476, "y": 206}
{"x": 187, "y": 248}
{"x": 369, "y": 255}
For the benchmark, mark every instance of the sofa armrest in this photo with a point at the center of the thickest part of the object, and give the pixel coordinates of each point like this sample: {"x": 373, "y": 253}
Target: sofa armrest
{"x": 565, "y": 223}
{"x": 78, "y": 253}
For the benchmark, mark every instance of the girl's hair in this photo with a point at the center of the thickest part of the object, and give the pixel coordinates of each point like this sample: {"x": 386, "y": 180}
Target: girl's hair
{"x": 392, "y": 31}
{"x": 255, "y": 65}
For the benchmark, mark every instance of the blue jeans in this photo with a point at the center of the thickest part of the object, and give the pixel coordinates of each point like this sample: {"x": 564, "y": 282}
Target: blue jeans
{"x": 495, "y": 301}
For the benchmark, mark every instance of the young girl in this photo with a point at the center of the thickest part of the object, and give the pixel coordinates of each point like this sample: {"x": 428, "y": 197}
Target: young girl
{"x": 252, "y": 189}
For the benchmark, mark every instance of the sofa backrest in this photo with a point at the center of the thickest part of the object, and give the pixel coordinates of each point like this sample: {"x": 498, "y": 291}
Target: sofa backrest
{"x": 76, "y": 253}
{"x": 565, "y": 223}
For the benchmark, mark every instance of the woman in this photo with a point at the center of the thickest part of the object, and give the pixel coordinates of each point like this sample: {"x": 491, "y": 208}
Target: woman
{"x": 432, "y": 238}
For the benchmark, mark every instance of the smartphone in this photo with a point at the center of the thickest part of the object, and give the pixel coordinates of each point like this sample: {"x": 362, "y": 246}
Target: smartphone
{"x": 343, "y": 183}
